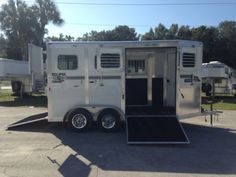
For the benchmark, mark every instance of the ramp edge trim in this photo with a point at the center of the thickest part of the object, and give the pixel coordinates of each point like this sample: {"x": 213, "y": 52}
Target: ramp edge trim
{"x": 27, "y": 122}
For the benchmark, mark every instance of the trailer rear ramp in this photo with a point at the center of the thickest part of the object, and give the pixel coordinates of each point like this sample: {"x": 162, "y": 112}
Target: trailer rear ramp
{"x": 29, "y": 120}
{"x": 155, "y": 129}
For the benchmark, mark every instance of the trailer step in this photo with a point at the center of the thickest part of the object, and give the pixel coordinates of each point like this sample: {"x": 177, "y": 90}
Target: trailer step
{"x": 29, "y": 120}
{"x": 155, "y": 129}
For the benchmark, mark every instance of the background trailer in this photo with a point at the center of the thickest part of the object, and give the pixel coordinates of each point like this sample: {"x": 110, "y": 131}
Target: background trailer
{"x": 25, "y": 76}
{"x": 148, "y": 84}
{"x": 218, "y": 78}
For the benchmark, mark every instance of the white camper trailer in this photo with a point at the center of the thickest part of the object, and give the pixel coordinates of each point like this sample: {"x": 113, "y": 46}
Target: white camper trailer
{"x": 219, "y": 78}
{"x": 148, "y": 84}
{"x": 25, "y": 76}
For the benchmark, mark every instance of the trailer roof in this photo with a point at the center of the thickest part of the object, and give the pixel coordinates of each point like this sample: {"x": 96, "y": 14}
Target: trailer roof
{"x": 148, "y": 42}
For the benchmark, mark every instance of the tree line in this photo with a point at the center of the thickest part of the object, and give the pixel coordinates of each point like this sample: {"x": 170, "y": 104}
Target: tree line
{"x": 23, "y": 24}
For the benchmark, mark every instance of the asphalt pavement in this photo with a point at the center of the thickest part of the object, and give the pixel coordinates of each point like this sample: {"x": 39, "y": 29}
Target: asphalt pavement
{"x": 49, "y": 149}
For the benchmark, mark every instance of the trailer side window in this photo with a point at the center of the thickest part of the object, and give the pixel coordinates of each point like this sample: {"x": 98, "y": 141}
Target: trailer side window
{"x": 188, "y": 60}
{"x": 110, "y": 60}
{"x": 67, "y": 62}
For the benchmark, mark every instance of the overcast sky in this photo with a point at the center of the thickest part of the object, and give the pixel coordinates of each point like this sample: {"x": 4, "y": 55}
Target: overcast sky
{"x": 81, "y": 18}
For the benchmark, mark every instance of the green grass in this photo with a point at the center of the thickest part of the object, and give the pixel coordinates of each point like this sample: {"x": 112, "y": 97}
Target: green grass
{"x": 8, "y": 99}
{"x": 223, "y": 102}
{"x": 6, "y": 83}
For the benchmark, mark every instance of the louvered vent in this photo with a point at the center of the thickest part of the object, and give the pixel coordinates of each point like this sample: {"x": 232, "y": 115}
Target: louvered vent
{"x": 110, "y": 60}
{"x": 188, "y": 60}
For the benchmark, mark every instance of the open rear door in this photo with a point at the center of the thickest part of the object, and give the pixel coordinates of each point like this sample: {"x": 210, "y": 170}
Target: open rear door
{"x": 190, "y": 81}
{"x": 151, "y": 97}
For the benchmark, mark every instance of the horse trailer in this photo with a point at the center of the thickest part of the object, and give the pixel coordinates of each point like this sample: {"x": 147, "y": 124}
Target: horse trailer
{"x": 25, "y": 76}
{"x": 218, "y": 78}
{"x": 150, "y": 85}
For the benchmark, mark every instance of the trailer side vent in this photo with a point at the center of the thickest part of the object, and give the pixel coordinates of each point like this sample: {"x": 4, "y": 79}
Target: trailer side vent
{"x": 188, "y": 60}
{"x": 110, "y": 60}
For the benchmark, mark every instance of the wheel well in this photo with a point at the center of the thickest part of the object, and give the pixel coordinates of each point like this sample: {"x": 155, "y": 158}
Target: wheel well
{"x": 110, "y": 109}
{"x": 67, "y": 115}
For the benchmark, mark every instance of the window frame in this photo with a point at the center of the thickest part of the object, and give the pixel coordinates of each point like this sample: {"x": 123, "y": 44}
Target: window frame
{"x": 67, "y": 63}
{"x": 137, "y": 73}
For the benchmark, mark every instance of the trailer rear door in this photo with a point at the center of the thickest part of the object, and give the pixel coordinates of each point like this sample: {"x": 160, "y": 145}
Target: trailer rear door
{"x": 189, "y": 92}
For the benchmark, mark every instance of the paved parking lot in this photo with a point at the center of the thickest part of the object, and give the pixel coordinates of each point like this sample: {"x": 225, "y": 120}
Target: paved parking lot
{"x": 46, "y": 149}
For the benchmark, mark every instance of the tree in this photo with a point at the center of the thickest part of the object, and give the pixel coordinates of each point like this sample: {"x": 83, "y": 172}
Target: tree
{"x": 3, "y": 46}
{"x": 209, "y": 37}
{"x": 124, "y": 33}
{"x": 184, "y": 33}
{"x": 173, "y": 31}
{"x": 23, "y": 24}
{"x": 160, "y": 32}
{"x": 227, "y": 35}
{"x": 149, "y": 35}
{"x": 119, "y": 33}
{"x": 61, "y": 37}
{"x": 44, "y": 11}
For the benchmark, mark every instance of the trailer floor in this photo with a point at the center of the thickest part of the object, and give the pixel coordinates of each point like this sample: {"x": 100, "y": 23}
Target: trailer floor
{"x": 50, "y": 150}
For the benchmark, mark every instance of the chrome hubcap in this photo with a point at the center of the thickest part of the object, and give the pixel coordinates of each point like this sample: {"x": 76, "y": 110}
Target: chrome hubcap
{"x": 79, "y": 121}
{"x": 108, "y": 121}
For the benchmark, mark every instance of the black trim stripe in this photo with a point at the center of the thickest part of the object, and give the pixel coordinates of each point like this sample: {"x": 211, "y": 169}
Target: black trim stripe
{"x": 104, "y": 77}
{"x": 74, "y": 77}
{"x": 92, "y": 77}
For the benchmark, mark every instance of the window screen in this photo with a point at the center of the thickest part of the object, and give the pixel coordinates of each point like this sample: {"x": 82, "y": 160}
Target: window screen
{"x": 110, "y": 60}
{"x": 67, "y": 62}
{"x": 188, "y": 60}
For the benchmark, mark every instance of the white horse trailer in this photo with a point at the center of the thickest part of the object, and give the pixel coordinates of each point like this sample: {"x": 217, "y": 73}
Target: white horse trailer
{"x": 219, "y": 78}
{"x": 148, "y": 84}
{"x": 25, "y": 76}
{"x": 17, "y": 72}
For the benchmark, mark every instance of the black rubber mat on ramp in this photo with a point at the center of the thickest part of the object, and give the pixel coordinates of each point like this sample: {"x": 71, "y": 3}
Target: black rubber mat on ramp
{"x": 155, "y": 130}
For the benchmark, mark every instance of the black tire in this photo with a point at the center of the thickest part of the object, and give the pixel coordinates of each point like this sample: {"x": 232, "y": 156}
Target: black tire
{"x": 16, "y": 86}
{"x": 79, "y": 120}
{"x": 109, "y": 120}
{"x": 206, "y": 87}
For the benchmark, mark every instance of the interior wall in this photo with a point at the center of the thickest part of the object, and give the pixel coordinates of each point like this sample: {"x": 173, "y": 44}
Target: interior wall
{"x": 160, "y": 74}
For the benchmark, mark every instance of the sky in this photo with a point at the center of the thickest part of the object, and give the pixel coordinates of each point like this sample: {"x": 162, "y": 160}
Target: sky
{"x": 81, "y": 18}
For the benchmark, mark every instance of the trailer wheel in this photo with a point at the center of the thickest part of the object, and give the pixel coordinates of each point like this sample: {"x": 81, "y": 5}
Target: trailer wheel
{"x": 16, "y": 86}
{"x": 80, "y": 120}
{"x": 206, "y": 87}
{"x": 109, "y": 120}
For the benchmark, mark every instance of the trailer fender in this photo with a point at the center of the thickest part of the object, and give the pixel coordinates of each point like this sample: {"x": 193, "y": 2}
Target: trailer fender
{"x": 67, "y": 115}
{"x": 118, "y": 110}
